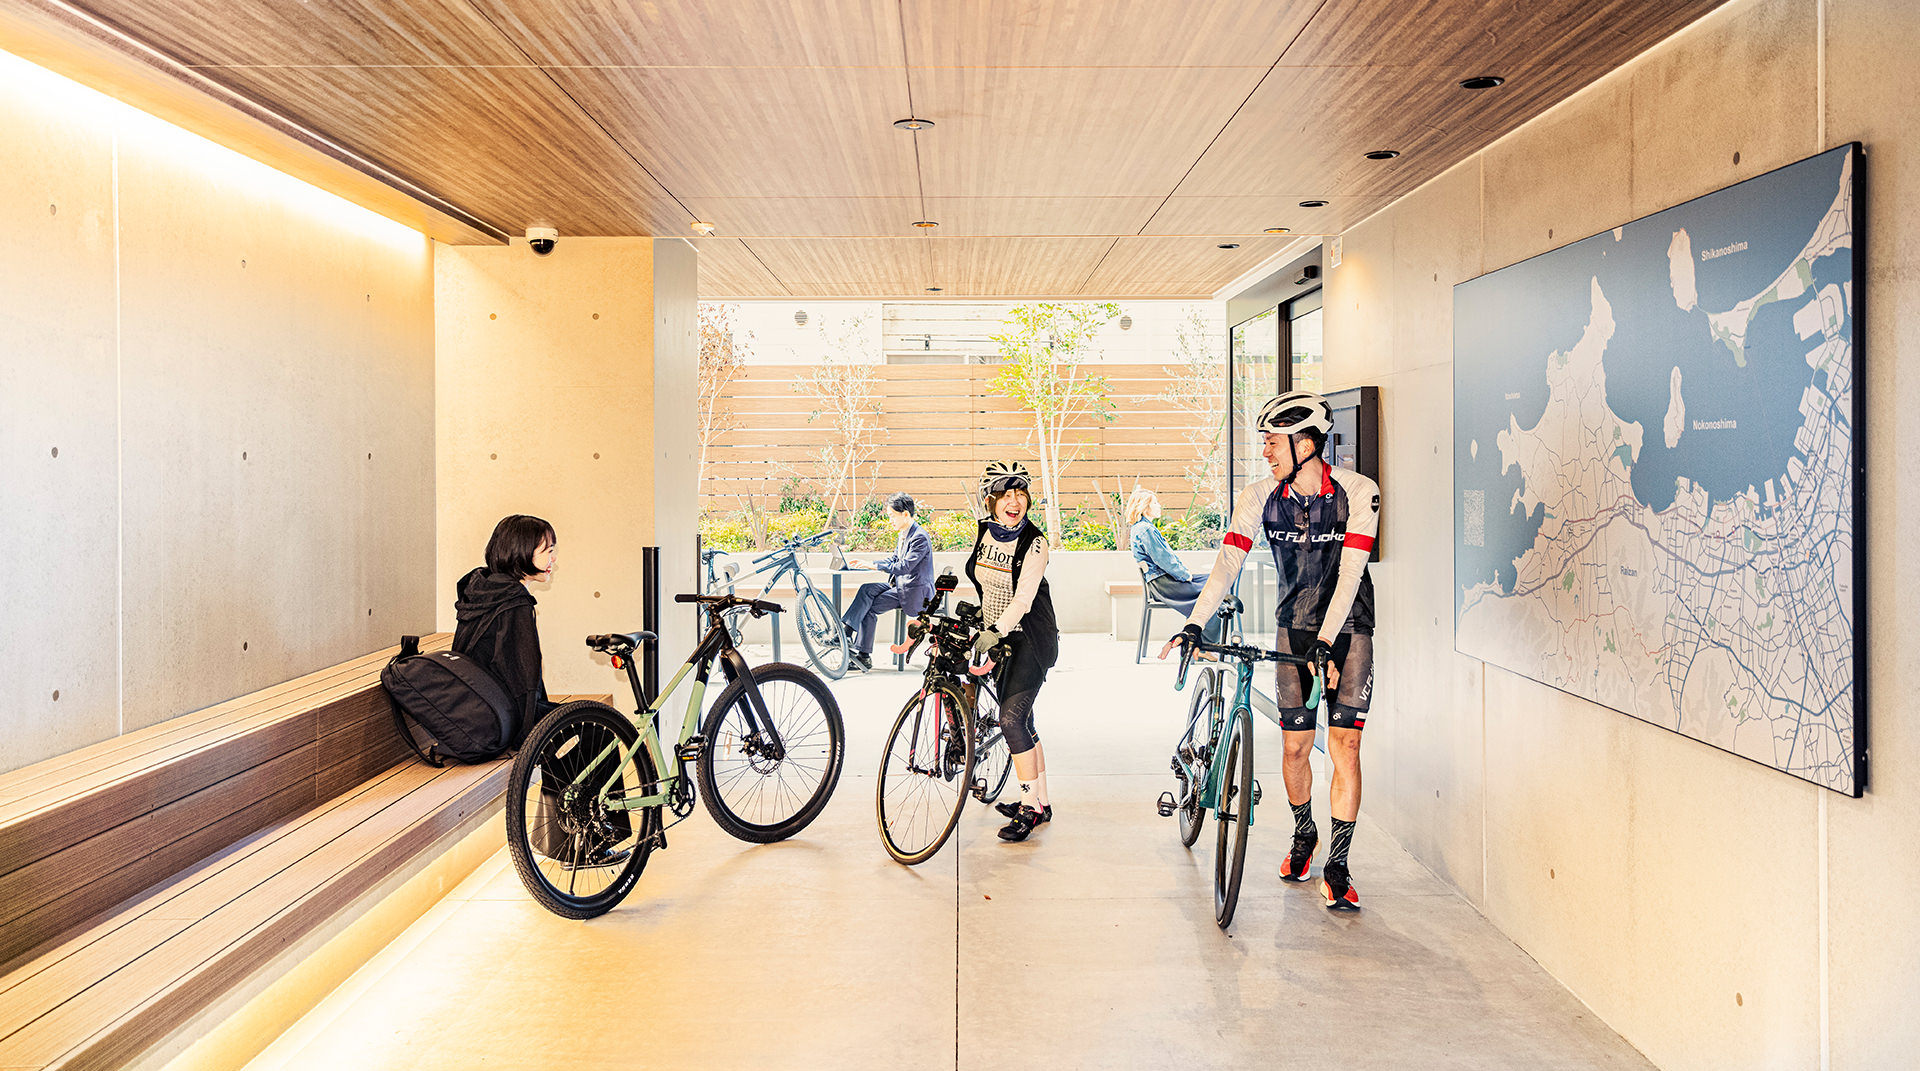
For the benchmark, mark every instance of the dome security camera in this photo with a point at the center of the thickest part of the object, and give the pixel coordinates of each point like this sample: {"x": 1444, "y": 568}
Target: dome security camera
{"x": 542, "y": 239}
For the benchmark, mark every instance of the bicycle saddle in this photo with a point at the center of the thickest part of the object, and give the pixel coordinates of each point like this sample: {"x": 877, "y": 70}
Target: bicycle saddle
{"x": 619, "y": 642}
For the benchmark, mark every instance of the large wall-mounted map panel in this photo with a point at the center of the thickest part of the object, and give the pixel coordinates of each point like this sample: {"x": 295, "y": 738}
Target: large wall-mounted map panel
{"x": 1655, "y": 469}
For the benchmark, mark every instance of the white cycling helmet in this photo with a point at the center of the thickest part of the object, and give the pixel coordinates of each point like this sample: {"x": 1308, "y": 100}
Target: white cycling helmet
{"x": 1295, "y": 412}
{"x": 1002, "y": 475}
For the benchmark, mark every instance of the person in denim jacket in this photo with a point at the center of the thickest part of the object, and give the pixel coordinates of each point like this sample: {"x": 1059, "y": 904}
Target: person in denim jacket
{"x": 1167, "y": 579}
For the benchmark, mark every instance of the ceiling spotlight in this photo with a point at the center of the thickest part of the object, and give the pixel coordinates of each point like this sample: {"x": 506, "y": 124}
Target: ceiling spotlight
{"x": 704, "y": 230}
{"x": 1383, "y": 154}
{"x": 1485, "y": 81}
{"x": 1277, "y": 230}
{"x": 1313, "y": 204}
{"x": 1228, "y": 245}
{"x": 933, "y": 290}
{"x": 913, "y": 124}
{"x": 800, "y": 318}
{"x": 925, "y": 224}
{"x": 1126, "y": 323}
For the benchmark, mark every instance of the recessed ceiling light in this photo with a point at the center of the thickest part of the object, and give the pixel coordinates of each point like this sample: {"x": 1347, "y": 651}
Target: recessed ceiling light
{"x": 1485, "y": 81}
{"x": 1383, "y": 154}
{"x": 1228, "y": 245}
{"x": 933, "y": 289}
{"x": 1313, "y": 204}
{"x": 925, "y": 224}
{"x": 1278, "y": 230}
{"x": 703, "y": 228}
{"x": 913, "y": 124}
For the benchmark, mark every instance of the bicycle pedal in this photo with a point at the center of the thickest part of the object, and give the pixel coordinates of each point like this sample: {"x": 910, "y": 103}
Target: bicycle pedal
{"x": 690, "y": 751}
{"x": 1256, "y": 791}
{"x": 1166, "y": 806}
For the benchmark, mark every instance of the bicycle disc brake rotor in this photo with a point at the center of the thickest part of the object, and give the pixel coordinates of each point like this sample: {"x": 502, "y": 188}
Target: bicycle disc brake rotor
{"x": 762, "y": 757}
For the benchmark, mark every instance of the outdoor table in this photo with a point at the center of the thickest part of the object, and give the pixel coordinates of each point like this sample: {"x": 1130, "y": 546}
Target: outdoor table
{"x": 899, "y": 618}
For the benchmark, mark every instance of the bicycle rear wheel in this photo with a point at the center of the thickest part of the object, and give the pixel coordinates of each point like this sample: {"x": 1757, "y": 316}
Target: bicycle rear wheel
{"x": 992, "y": 759}
{"x": 924, "y": 775}
{"x": 576, "y": 857}
{"x": 1234, "y": 813}
{"x": 821, "y": 633}
{"x": 1192, "y": 757}
{"x": 758, "y": 792}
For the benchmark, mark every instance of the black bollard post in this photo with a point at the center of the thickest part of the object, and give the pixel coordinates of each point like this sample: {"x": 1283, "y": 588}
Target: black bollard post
{"x": 650, "y": 620}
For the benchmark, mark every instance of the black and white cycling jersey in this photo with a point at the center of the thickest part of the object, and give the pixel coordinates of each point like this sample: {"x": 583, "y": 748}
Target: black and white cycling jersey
{"x": 1320, "y": 544}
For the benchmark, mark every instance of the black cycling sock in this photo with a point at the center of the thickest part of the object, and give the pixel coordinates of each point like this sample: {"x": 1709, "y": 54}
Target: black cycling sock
{"x": 1342, "y": 840}
{"x": 1303, "y": 819}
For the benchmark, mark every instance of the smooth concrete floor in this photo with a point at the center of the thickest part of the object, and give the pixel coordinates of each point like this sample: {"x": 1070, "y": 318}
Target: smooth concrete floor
{"x": 1092, "y": 945}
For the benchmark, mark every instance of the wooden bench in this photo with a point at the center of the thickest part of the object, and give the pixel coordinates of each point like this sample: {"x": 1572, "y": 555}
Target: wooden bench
{"x": 147, "y": 876}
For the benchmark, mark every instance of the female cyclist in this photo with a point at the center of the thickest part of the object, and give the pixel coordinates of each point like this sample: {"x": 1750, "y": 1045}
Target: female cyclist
{"x": 1008, "y": 567}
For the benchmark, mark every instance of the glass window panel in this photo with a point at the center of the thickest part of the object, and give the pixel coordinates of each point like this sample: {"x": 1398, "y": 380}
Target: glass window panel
{"x": 1307, "y": 351}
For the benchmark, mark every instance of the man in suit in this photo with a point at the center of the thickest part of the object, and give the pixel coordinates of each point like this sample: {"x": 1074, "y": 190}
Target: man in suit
{"x": 909, "y": 580}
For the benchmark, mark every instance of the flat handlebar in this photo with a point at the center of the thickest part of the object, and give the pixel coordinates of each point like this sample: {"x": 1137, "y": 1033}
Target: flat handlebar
{"x": 729, "y": 601}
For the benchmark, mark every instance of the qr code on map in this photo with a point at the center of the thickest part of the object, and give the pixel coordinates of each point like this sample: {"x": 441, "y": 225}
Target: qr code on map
{"x": 1474, "y": 515}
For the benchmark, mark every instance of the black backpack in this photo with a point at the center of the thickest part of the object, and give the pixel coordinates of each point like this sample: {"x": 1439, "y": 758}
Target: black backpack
{"x": 447, "y": 705}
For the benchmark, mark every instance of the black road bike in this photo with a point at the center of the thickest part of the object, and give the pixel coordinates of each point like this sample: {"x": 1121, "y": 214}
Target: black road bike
{"x": 946, "y": 745}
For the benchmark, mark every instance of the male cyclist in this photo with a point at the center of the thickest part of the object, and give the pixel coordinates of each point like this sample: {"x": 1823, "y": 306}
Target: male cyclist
{"x": 1320, "y": 521}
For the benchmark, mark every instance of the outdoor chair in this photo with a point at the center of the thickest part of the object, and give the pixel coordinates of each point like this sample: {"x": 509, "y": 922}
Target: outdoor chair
{"x": 1149, "y": 602}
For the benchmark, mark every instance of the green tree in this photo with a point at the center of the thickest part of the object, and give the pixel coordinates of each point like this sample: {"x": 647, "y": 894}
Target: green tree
{"x": 1044, "y": 351}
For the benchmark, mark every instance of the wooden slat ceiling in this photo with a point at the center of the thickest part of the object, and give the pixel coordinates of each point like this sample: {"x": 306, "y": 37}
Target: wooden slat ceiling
{"x": 1092, "y": 149}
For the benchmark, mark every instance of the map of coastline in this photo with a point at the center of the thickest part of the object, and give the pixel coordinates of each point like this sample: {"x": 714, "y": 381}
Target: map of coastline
{"x": 1654, "y": 463}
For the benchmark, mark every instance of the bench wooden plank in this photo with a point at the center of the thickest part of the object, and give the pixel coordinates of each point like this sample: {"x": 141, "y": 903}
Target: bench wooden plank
{"x": 1124, "y": 587}
{"x": 106, "y": 946}
{"x": 77, "y": 770}
{"x": 138, "y": 1004}
{"x": 70, "y": 873}
{"x": 87, "y": 805}
{"x": 50, "y": 773}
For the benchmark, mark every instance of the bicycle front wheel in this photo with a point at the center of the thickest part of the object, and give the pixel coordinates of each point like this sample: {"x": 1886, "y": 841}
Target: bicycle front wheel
{"x": 924, "y": 775}
{"x": 759, "y": 790}
{"x": 1190, "y": 760}
{"x": 992, "y": 759}
{"x": 1233, "y": 813}
{"x": 821, "y": 633}
{"x": 577, "y": 857}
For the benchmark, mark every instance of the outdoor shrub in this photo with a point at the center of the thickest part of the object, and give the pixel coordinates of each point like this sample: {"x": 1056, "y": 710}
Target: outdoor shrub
{"x": 1083, "y": 530}
{"x": 787, "y": 524}
{"x": 729, "y": 532}
{"x": 952, "y": 530}
{"x": 797, "y": 497}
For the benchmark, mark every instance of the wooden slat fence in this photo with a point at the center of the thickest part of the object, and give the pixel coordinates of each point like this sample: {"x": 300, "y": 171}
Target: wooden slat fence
{"x": 940, "y": 425}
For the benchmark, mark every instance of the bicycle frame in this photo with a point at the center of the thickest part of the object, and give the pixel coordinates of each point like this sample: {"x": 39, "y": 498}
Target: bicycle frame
{"x": 1242, "y": 707}
{"x": 713, "y": 647}
{"x": 780, "y": 561}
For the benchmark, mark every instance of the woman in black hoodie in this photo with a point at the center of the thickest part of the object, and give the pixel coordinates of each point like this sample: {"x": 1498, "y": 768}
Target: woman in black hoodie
{"x": 495, "y": 613}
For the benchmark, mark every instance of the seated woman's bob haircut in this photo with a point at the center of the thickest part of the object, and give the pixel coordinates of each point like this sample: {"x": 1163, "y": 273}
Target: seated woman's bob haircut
{"x": 515, "y": 538}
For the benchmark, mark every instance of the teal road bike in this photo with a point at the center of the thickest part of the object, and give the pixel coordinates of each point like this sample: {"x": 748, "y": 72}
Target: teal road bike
{"x": 1213, "y": 762}
{"x": 821, "y": 633}
{"x": 592, "y": 789}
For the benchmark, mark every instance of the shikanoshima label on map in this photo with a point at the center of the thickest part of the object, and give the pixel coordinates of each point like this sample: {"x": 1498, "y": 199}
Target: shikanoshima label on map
{"x": 1655, "y": 503}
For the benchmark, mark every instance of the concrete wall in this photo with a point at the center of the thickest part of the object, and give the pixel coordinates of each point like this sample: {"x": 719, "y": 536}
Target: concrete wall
{"x": 1716, "y": 913}
{"x": 546, "y": 406}
{"x": 676, "y": 441}
{"x": 216, "y": 422}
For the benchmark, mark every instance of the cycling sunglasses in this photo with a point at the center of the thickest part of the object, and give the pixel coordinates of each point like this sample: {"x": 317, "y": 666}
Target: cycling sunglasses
{"x": 1007, "y": 483}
